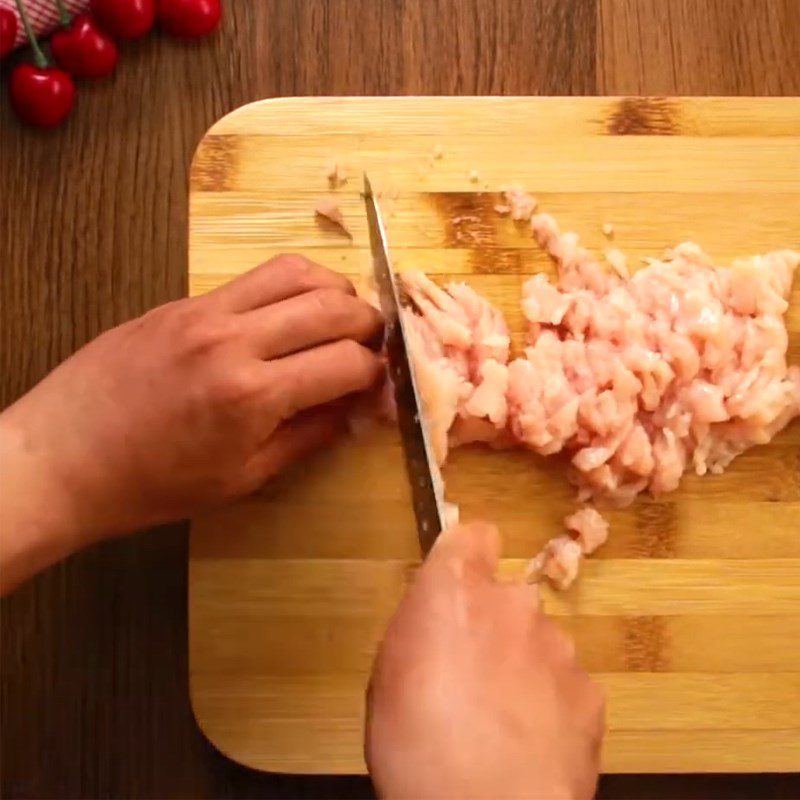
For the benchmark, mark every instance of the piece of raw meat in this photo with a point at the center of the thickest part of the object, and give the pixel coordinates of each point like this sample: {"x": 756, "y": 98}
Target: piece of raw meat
{"x": 589, "y": 527}
{"x": 459, "y": 347}
{"x": 558, "y": 562}
{"x": 681, "y": 366}
{"x": 518, "y": 204}
{"x": 329, "y": 209}
{"x": 560, "y": 559}
{"x": 636, "y": 378}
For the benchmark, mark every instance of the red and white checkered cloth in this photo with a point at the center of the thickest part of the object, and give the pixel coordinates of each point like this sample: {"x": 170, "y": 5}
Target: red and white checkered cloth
{"x": 43, "y": 15}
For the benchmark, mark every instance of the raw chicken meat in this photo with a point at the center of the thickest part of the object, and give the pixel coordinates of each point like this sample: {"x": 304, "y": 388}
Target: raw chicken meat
{"x": 681, "y": 366}
{"x": 329, "y": 209}
{"x": 559, "y": 562}
{"x": 590, "y": 529}
{"x": 560, "y": 559}
{"x": 518, "y": 203}
{"x": 459, "y": 346}
{"x": 635, "y": 378}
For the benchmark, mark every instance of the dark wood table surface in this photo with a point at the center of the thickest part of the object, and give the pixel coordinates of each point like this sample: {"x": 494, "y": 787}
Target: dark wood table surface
{"x": 93, "y": 232}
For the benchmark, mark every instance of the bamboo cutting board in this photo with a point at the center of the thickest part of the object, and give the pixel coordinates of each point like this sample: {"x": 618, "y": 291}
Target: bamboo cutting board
{"x": 690, "y": 616}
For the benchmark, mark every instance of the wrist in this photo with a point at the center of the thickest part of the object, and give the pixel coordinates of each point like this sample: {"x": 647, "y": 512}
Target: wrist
{"x": 41, "y": 517}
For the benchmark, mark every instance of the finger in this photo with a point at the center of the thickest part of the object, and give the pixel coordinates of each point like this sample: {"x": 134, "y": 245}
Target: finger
{"x": 475, "y": 546}
{"x": 525, "y": 595}
{"x": 310, "y": 319}
{"x": 560, "y": 646}
{"x": 297, "y": 438}
{"x": 522, "y": 610}
{"x": 275, "y": 280}
{"x": 325, "y": 373}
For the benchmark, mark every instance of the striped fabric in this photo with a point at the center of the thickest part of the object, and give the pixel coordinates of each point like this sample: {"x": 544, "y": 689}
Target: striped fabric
{"x": 43, "y": 15}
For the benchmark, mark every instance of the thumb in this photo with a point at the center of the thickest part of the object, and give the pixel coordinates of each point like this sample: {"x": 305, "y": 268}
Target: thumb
{"x": 475, "y": 547}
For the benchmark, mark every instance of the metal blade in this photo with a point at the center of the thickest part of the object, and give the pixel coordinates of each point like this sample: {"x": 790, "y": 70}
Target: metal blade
{"x": 427, "y": 487}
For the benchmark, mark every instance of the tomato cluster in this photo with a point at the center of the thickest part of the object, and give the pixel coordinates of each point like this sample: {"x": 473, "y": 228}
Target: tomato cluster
{"x": 85, "y": 46}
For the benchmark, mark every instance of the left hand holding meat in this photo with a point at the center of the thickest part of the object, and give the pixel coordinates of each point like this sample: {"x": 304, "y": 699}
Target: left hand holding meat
{"x": 194, "y": 404}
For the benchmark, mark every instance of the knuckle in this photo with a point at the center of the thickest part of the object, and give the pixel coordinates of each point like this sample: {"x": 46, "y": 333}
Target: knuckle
{"x": 204, "y": 332}
{"x": 311, "y": 275}
{"x": 332, "y": 304}
{"x": 361, "y": 359}
{"x": 165, "y": 317}
{"x": 275, "y": 395}
{"x": 233, "y": 386}
{"x": 292, "y": 261}
{"x": 307, "y": 271}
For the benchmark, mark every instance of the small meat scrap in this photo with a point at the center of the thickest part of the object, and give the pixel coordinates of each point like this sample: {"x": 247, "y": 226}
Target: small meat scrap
{"x": 589, "y": 527}
{"x": 618, "y": 261}
{"x": 474, "y": 177}
{"x": 558, "y": 562}
{"x": 560, "y": 559}
{"x": 438, "y": 152}
{"x": 608, "y": 230}
{"x": 329, "y": 209}
{"x": 336, "y": 175}
{"x": 518, "y": 204}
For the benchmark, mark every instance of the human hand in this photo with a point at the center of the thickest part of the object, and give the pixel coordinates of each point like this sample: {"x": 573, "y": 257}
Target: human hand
{"x": 197, "y": 402}
{"x": 474, "y": 692}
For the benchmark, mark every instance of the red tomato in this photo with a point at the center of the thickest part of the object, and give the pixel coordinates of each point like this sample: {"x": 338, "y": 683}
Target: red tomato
{"x": 41, "y": 95}
{"x": 83, "y": 49}
{"x": 125, "y": 19}
{"x": 190, "y": 19}
{"x": 8, "y": 30}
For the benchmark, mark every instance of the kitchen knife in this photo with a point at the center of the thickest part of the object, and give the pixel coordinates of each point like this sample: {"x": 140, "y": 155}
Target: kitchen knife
{"x": 427, "y": 488}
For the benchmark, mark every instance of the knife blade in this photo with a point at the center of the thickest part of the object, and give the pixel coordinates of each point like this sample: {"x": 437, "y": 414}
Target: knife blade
{"x": 427, "y": 488}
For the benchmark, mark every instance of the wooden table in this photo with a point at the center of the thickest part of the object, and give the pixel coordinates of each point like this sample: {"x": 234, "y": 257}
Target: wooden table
{"x": 94, "y": 691}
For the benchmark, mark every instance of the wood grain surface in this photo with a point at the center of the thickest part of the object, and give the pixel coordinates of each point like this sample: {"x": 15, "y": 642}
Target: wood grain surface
{"x": 92, "y": 230}
{"x": 290, "y": 591}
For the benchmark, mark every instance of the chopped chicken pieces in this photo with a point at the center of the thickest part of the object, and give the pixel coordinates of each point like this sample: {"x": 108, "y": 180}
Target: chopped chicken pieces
{"x": 560, "y": 559}
{"x": 589, "y": 527}
{"x": 636, "y": 378}
{"x": 519, "y": 204}
{"x": 618, "y": 261}
{"x": 459, "y": 346}
{"x": 681, "y": 366}
{"x": 329, "y": 209}
{"x": 558, "y": 562}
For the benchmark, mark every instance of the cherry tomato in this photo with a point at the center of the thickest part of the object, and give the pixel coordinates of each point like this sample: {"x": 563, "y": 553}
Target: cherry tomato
{"x": 125, "y": 19}
{"x": 41, "y": 95}
{"x": 83, "y": 49}
{"x": 190, "y": 19}
{"x": 8, "y": 30}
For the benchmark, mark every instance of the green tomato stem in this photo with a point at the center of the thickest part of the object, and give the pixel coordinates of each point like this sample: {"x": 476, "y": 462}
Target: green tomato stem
{"x": 65, "y": 16}
{"x": 38, "y": 55}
